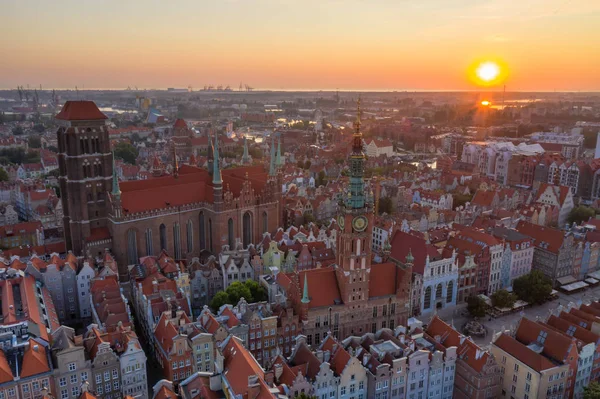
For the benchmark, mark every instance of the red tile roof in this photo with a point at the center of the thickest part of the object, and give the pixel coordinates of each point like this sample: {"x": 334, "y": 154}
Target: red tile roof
{"x": 555, "y": 346}
{"x": 523, "y": 353}
{"x": 35, "y": 360}
{"x": 80, "y": 111}
{"x": 323, "y": 288}
{"x": 382, "y": 280}
{"x": 542, "y": 234}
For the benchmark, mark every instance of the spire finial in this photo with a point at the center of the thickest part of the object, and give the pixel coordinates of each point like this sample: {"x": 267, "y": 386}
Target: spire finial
{"x": 357, "y": 123}
{"x": 272, "y": 164}
{"x": 175, "y": 161}
{"x": 246, "y": 156}
{"x": 278, "y": 160}
{"x": 305, "y": 298}
{"x": 216, "y": 170}
{"x": 115, "y": 179}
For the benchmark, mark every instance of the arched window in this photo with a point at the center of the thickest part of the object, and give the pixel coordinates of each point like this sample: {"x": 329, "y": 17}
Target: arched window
{"x": 427, "y": 301}
{"x": 438, "y": 292}
{"x": 265, "y": 222}
{"x": 201, "y": 225}
{"x": 177, "y": 240}
{"x": 149, "y": 250}
{"x": 163, "y": 237}
{"x": 449, "y": 292}
{"x": 190, "y": 236}
{"x": 210, "y": 240}
{"x": 247, "y": 227}
{"x": 132, "y": 255}
{"x": 230, "y": 237}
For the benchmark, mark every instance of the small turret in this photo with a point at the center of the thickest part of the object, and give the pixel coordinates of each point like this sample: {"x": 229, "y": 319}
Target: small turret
{"x": 246, "y": 156}
{"x": 272, "y": 164}
{"x": 409, "y": 257}
{"x": 305, "y": 297}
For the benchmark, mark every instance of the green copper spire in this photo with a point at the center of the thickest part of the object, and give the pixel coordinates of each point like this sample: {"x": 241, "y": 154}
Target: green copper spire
{"x": 272, "y": 164}
{"x": 305, "y": 298}
{"x": 115, "y": 179}
{"x": 356, "y": 191}
{"x": 216, "y": 170}
{"x": 245, "y": 157}
{"x": 278, "y": 160}
{"x": 409, "y": 257}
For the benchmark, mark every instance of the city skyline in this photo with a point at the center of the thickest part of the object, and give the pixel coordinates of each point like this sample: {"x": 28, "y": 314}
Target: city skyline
{"x": 291, "y": 45}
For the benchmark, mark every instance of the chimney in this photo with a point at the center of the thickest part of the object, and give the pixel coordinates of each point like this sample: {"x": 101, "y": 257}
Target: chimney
{"x": 278, "y": 367}
{"x": 253, "y": 386}
{"x": 215, "y": 382}
{"x": 319, "y": 355}
{"x": 269, "y": 378}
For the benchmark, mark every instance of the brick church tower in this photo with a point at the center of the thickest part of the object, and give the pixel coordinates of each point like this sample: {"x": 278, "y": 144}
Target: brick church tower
{"x": 85, "y": 166}
{"x": 356, "y": 224}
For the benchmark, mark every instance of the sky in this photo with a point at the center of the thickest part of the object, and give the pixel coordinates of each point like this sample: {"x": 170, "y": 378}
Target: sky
{"x": 542, "y": 45}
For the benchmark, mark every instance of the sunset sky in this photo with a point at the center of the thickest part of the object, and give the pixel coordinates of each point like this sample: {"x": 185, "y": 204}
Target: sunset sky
{"x": 299, "y": 44}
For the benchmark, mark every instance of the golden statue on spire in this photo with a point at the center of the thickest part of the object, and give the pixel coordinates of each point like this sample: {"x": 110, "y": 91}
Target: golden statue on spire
{"x": 357, "y": 144}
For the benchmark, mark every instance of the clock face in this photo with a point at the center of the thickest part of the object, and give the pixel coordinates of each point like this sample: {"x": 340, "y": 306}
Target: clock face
{"x": 341, "y": 222}
{"x": 359, "y": 223}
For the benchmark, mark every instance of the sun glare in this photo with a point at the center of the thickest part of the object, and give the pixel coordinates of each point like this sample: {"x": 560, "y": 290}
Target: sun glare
{"x": 488, "y": 71}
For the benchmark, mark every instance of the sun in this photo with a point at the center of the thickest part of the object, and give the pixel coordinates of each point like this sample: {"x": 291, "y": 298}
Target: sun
{"x": 488, "y": 71}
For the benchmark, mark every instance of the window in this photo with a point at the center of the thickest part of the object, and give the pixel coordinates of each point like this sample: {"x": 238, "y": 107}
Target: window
{"x": 62, "y": 382}
{"x": 115, "y": 373}
{"x": 98, "y": 379}
{"x": 343, "y": 391}
{"x": 64, "y": 394}
{"x": 528, "y": 376}
{"x": 72, "y": 367}
{"x": 116, "y": 385}
{"x": 107, "y": 376}
{"x": 26, "y": 388}
{"x": 75, "y": 391}
{"x": 73, "y": 379}
{"x": 107, "y": 387}
{"x": 361, "y": 385}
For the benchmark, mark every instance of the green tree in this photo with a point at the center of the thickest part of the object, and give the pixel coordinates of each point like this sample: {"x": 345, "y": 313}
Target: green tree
{"x": 127, "y": 152}
{"x": 17, "y": 131}
{"x": 258, "y": 292}
{"x": 39, "y": 128}
{"x": 308, "y": 218}
{"x": 221, "y": 298}
{"x": 237, "y": 291}
{"x": 320, "y": 179}
{"x": 534, "y": 287}
{"x": 461, "y": 199}
{"x": 581, "y": 214}
{"x": 503, "y": 299}
{"x": 386, "y": 205}
{"x": 476, "y": 306}
{"x": 592, "y": 391}
{"x": 255, "y": 153}
{"x": 3, "y": 175}
{"x": 35, "y": 142}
